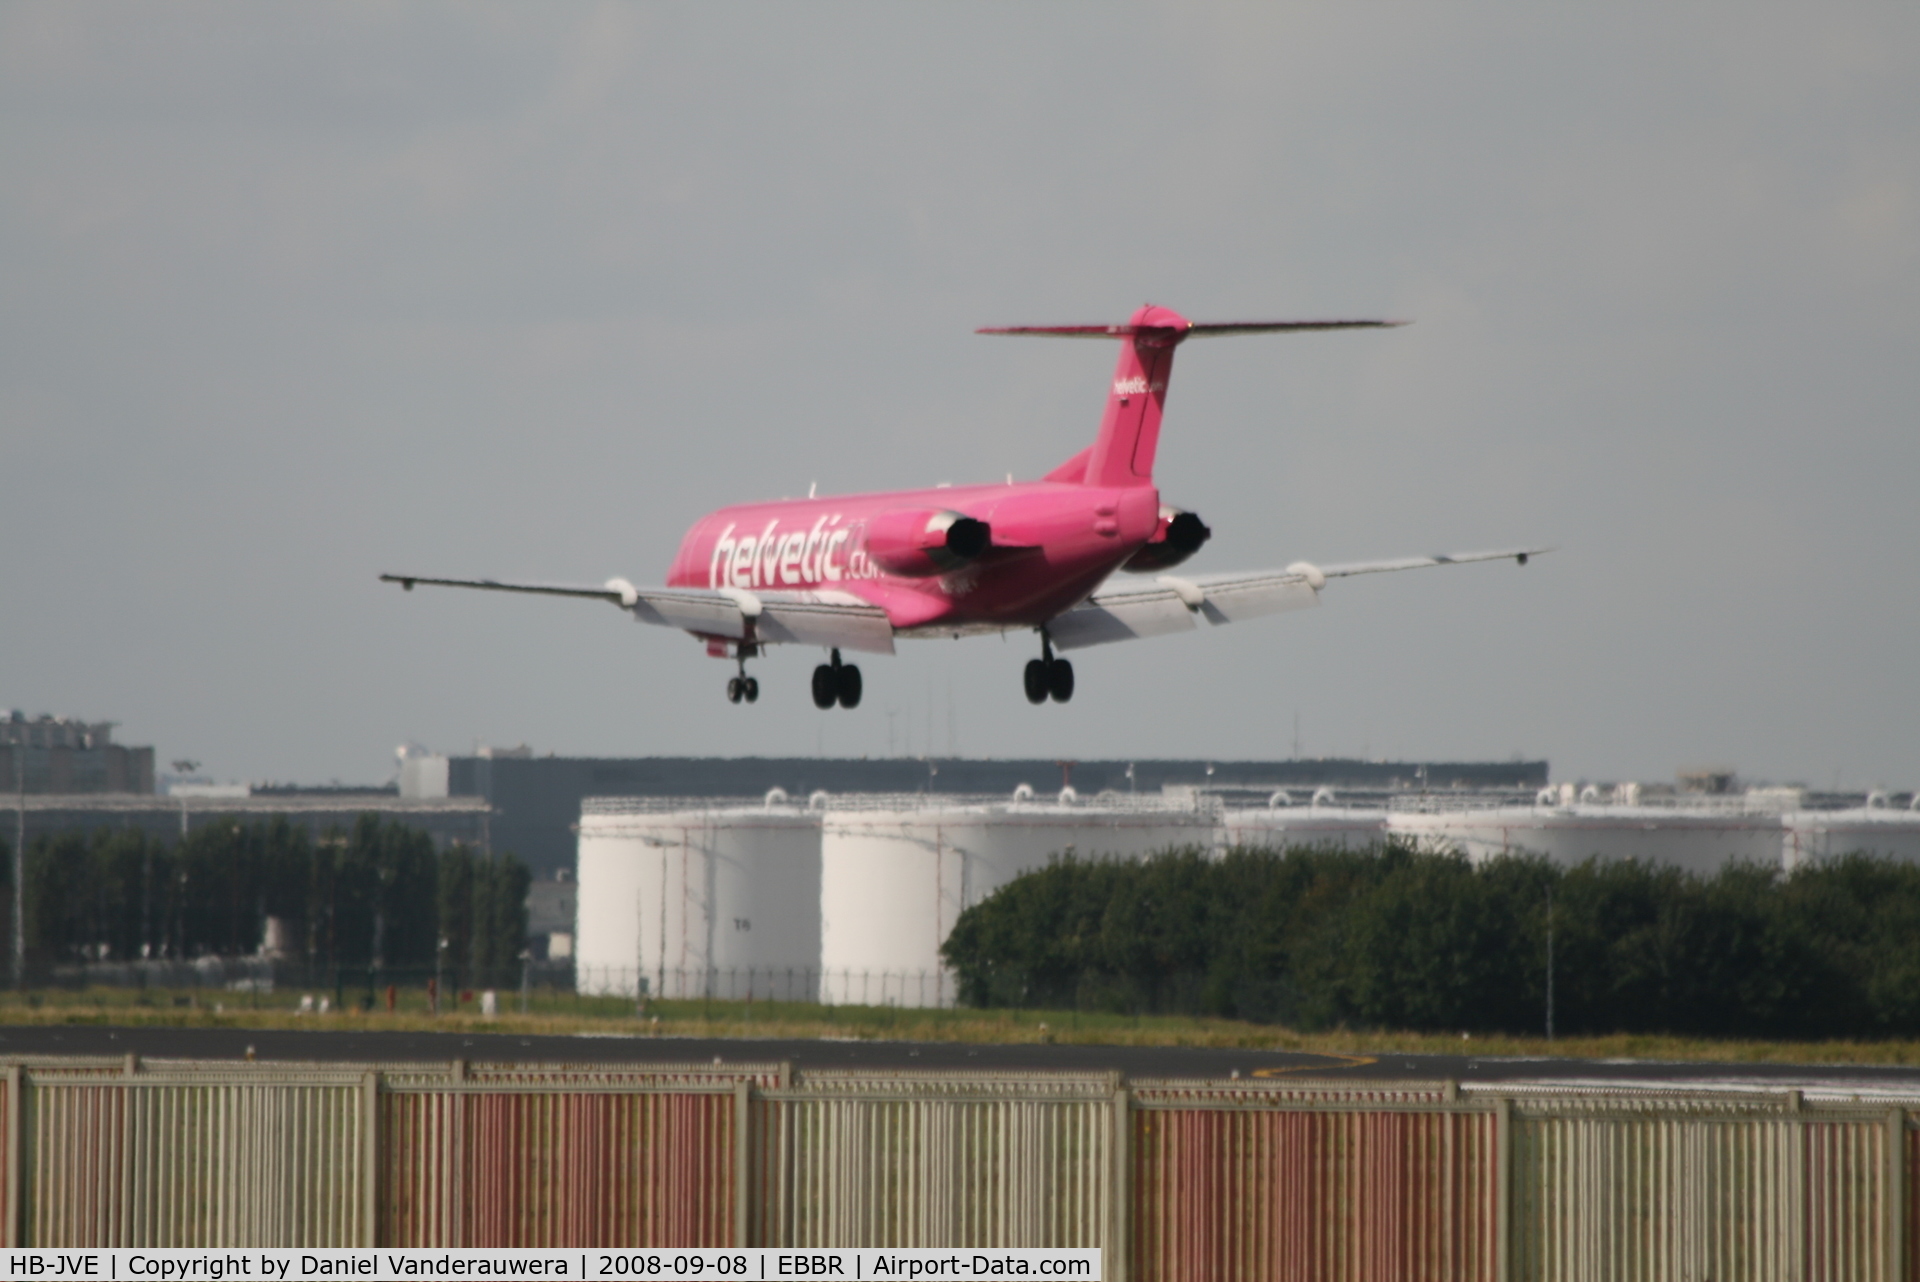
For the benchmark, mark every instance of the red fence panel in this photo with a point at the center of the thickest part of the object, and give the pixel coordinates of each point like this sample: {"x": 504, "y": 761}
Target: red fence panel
{"x": 1315, "y": 1196}
{"x": 551, "y": 1169}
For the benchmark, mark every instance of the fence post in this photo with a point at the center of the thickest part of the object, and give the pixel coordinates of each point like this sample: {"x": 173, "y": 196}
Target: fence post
{"x": 1503, "y": 1191}
{"x": 16, "y": 1152}
{"x": 370, "y": 1159}
{"x": 1897, "y": 1195}
{"x": 742, "y": 1160}
{"x": 1116, "y": 1257}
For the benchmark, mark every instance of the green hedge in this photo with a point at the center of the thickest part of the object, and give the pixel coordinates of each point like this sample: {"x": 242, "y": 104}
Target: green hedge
{"x": 1395, "y": 938}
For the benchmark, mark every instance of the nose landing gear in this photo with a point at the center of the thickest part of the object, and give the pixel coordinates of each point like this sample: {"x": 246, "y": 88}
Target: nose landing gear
{"x": 836, "y": 682}
{"x": 1048, "y": 677}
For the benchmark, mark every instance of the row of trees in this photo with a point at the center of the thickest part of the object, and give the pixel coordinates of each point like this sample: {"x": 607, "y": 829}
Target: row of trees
{"x": 378, "y": 895}
{"x": 1398, "y": 938}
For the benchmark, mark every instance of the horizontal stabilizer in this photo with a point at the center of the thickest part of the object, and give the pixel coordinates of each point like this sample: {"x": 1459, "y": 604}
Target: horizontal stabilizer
{"x": 1123, "y": 451}
{"x": 1191, "y": 329}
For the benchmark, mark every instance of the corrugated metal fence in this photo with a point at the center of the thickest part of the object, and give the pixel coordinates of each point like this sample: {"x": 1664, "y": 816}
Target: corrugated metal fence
{"x": 1178, "y": 1181}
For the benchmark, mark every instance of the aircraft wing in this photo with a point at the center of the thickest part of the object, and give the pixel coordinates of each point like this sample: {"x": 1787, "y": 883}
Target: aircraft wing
{"x": 1175, "y": 603}
{"x": 822, "y": 618}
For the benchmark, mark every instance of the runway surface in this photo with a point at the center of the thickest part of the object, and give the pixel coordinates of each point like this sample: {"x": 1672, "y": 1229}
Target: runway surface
{"x": 1133, "y": 1061}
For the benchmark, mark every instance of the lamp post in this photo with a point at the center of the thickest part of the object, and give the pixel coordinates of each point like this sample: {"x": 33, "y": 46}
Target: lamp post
{"x": 20, "y": 867}
{"x": 184, "y": 767}
{"x": 1549, "y": 961}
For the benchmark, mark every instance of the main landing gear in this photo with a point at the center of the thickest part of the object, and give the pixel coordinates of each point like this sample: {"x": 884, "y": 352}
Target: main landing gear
{"x": 743, "y": 686}
{"x": 836, "y": 682}
{"x": 1047, "y": 676}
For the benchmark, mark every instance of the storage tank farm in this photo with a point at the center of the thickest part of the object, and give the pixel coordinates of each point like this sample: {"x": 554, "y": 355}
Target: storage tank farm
{"x": 1879, "y": 827}
{"x": 847, "y": 899}
{"x": 897, "y": 872}
{"x": 1569, "y": 824}
{"x": 698, "y": 900}
{"x": 1318, "y": 818}
{"x": 1700, "y": 841}
{"x": 841, "y": 899}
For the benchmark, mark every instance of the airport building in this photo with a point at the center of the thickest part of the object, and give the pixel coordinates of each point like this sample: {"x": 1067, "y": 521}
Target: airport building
{"x": 58, "y": 755}
{"x": 61, "y": 775}
{"x": 847, "y": 898}
{"x": 446, "y": 819}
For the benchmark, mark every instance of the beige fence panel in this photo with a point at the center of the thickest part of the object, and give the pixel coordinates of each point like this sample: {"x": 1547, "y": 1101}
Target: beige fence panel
{"x": 938, "y": 1171}
{"x": 1636, "y": 1196}
{"x": 178, "y": 1163}
{"x": 1908, "y": 1229}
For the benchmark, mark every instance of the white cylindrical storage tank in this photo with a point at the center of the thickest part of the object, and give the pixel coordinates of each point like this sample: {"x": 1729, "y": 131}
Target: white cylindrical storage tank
{"x": 720, "y": 903}
{"x": 1698, "y": 840}
{"x": 894, "y": 880}
{"x": 1277, "y": 827}
{"x": 1815, "y": 835}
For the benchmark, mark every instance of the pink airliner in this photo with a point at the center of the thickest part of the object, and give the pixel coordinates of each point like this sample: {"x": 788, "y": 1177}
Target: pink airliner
{"x": 857, "y": 571}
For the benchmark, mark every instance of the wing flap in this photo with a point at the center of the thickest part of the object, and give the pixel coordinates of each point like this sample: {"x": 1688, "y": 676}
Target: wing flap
{"x": 1253, "y": 596}
{"x": 1177, "y": 604}
{"x": 707, "y": 613}
{"x": 1121, "y": 616}
{"x": 824, "y": 619}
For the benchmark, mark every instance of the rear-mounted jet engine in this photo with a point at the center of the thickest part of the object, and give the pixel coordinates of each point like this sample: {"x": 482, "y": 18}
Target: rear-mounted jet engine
{"x": 922, "y": 543}
{"x": 1180, "y": 535}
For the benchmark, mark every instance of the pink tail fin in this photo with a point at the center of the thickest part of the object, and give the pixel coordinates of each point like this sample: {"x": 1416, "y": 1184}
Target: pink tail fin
{"x": 1122, "y": 454}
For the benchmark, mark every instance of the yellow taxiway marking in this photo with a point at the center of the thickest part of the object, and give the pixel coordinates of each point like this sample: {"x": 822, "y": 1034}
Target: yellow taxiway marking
{"x": 1346, "y": 1061}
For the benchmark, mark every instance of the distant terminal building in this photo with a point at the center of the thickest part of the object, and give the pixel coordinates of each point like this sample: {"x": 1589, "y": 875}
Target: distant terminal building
{"x": 536, "y": 800}
{"x": 446, "y": 820}
{"x": 63, "y": 775}
{"x": 59, "y": 755}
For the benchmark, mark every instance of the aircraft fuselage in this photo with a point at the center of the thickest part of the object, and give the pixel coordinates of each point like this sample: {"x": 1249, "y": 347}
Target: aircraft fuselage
{"x": 1048, "y": 544}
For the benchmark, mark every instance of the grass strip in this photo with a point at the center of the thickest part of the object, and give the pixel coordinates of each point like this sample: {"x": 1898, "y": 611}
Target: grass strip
{"x": 553, "y": 1014}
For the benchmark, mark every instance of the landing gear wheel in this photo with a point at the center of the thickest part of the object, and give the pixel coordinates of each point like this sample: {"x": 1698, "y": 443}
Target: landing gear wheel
{"x": 736, "y": 689}
{"x": 1036, "y": 681}
{"x": 848, "y": 679}
{"x": 750, "y": 687}
{"x": 1060, "y": 681}
{"x": 826, "y": 687}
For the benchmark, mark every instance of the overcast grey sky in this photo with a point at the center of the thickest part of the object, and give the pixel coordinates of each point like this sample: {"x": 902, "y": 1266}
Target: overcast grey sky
{"x": 295, "y": 294}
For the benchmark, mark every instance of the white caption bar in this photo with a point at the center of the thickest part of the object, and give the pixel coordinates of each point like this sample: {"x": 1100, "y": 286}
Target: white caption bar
{"x": 395, "y": 1264}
